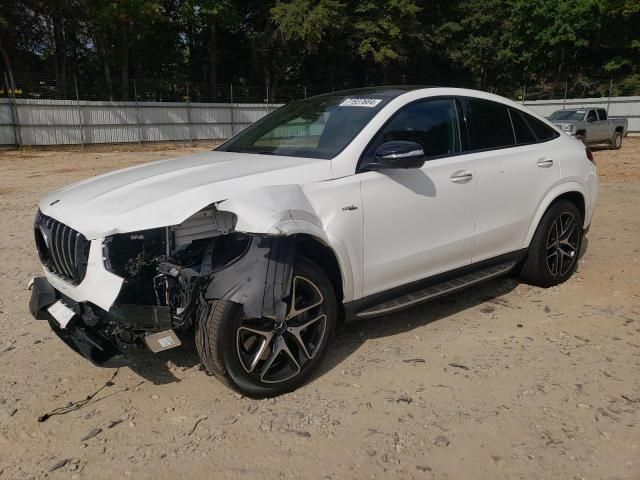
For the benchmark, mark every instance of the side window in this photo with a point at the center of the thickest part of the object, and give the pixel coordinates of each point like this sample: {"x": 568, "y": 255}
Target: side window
{"x": 523, "y": 132}
{"x": 431, "y": 123}
{"x": 591, "y": 116}
{"x": 543, "y": 131}
{"x": 602, "y": 114}
{"x": 491, "y": 125}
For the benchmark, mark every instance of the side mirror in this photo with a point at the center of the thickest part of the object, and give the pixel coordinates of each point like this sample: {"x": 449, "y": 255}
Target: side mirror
{"x": 398, "y": 154}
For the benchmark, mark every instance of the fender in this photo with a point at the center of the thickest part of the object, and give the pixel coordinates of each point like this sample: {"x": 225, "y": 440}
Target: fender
{"x": 285, "y": 210}
{"x": 554, "y": 193}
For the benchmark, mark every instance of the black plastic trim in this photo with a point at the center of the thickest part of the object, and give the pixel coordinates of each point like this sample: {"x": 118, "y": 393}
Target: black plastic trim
{"x": 356, "y": 306}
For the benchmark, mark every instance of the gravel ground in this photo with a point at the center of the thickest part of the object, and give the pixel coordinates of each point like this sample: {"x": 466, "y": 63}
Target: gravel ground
{"x": 500, "y": 381}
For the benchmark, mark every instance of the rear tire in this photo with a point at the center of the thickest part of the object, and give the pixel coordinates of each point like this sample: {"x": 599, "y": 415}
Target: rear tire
{"x": 261, "y": 357}
{"x": 616, "y": 141}
{"x": 555, "y": 246}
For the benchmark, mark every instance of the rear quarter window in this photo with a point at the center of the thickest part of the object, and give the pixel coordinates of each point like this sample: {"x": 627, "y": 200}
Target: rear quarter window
{"x": 543, "y": 131}
{"x": 524, "y": 133}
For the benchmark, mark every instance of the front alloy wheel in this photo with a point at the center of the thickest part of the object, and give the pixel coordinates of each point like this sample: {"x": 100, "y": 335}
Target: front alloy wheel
{"x": 264, "y": 357}
{"x": 276, "y": 351}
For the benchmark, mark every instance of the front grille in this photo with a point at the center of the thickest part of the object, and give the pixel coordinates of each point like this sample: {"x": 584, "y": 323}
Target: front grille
{"x": 62, "y": 250}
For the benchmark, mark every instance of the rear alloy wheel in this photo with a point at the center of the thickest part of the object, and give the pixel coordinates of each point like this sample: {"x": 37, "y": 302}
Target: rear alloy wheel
{"x": 562, "y": 244}
{"x": 616, "y": 141}
{"x": 264, "y": 357}
{"x": 555, "y": 247}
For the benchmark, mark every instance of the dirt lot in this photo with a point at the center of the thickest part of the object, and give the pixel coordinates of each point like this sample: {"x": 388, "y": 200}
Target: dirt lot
{"x": 501, "y": 381}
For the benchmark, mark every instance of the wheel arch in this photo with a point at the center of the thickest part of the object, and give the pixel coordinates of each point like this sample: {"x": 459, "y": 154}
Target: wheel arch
{"x": 326, "y": 258}
{"x": 573, "y": 192}
{"x": 286, "y": 211}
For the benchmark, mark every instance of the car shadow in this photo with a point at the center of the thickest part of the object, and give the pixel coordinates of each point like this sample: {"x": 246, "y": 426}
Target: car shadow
{"x": 158, "y": 368}
{"x": 598, "y": 148}
{"x": 351, "y": 336}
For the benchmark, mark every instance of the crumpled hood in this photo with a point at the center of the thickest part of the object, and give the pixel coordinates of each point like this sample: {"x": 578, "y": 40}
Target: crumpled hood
{"x": 169, "y": 191}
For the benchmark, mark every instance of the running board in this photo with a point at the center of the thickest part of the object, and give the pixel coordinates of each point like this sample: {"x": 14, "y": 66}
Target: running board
{"x": 435, "y": 291}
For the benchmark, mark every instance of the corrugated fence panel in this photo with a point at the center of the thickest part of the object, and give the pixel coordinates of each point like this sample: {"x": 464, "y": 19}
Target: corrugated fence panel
{"x": 60, "y": 122}
{"x": 6, "y": 127}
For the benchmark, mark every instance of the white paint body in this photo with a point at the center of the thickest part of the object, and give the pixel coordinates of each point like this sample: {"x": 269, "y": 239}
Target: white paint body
{"x": 387, "y": 228}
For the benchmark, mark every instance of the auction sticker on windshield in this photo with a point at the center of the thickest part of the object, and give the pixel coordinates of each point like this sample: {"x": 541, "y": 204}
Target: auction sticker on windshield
{"x": 360, "y": 102}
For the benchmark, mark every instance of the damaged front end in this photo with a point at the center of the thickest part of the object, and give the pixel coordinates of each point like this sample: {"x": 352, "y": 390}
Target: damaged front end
{"x": 169, "y": 275}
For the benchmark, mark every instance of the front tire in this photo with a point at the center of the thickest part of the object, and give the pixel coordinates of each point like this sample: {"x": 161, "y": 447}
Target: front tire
{"x": 555, "y": 246}
{"x": 262, "y": 357}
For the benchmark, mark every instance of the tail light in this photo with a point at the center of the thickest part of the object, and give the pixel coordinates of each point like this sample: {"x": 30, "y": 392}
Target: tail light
{"x": 590, "y": 156}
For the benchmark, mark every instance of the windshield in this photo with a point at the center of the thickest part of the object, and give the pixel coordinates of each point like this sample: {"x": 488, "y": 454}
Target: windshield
{"x": 318, "y": 127}
{"x": 568, "y": 115}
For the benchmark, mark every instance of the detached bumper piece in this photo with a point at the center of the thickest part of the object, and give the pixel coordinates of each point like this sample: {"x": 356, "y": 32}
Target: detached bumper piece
{"x": 88, "y": 341}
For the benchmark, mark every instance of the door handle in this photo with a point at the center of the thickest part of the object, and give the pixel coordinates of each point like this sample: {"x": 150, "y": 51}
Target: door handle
{"x": 461, "y": 176}
{"x": 545, "y": 162}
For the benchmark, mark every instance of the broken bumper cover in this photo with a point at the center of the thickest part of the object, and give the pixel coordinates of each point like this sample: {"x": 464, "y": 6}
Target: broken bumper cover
{"x": 89, "y": 342}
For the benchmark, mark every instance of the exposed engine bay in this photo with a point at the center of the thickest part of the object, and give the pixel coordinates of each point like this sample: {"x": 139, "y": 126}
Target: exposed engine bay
{"x": 171, "y": 272}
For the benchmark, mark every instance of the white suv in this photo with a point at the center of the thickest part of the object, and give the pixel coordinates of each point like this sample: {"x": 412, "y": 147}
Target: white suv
{"x": 348, "y": 205}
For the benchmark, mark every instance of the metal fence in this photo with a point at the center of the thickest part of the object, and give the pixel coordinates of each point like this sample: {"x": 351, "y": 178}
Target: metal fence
{"x": 68, "y": 122}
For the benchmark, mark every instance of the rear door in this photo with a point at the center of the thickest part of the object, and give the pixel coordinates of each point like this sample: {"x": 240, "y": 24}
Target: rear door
{"x": 516, "y": 167}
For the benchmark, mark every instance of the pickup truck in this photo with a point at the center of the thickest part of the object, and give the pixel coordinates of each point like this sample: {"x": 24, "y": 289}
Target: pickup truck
{"x": 591, "y": 125}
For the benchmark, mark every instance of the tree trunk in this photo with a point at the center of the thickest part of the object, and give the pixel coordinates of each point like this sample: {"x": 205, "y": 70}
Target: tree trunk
{"x": 107, "y": 77}
{"x": 60, "y": 55}
{"x": 273, "y": 91}
{"x": 7, "y": 65}
{"x": 124, "y": 61}
{"x": 213, "y": 61}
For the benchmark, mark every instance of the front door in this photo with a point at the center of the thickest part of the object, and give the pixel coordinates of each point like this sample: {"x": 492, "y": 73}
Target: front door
{"x": 419, "y": 222}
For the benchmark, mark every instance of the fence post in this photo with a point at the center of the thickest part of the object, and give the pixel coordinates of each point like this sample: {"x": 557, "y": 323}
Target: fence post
{"x": 524, "y": 93}
{"x": 75, "y": 82}
{"x": 13, "y": 112}
{"x": 135, "y": 99}
{"x": 305, "y": 91}
{"x": 564, "y": 102}
{"x": 189, "y": 116}
{"x": 609, "y": 101}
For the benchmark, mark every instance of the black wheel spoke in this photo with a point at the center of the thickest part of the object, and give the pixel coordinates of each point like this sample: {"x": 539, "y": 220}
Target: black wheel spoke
{"x": 562, "y": 244}
{"x": 274, "y": 351}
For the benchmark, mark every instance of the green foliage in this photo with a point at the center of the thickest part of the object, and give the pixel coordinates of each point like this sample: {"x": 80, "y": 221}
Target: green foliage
{"x": 308, "y": 21}
{"x": 382, "y": 29}
{"x": 499, "y": 45}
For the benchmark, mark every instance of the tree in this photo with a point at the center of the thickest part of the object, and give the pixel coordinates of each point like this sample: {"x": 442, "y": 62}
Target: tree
{"x": 382, "y": 28}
